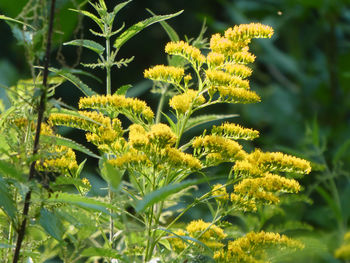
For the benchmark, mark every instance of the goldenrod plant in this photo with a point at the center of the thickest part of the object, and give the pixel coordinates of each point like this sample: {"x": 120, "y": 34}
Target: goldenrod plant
{"x": 145, "y": 159}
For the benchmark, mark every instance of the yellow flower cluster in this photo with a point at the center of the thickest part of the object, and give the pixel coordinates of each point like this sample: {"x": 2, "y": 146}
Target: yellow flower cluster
{"x": 343, "y": 252}
{"x": 243, "y": 57}
{"x": 248, "y": 31}
{"x": 221, "y": 78}
{"x": 137, "y": 136}
{"x": 235, "y": 131}
{"x": 131, "y": 158}
{"x": 225, "y": 46}
{"x": 219, "y": 191}
{"x": 185, "y": 50}
{"x": 252, "y": 247}
{"x": 163, "y": 73}
{"x": 176, "y": 242}
{"x": 114, "y": 104}
{"x": 215, "y": 59}
{"x": 244, "y": 168}
{"x": 238, "y": 70}
{"x": 280, "y": 162}
{"x": 183, "y": 102}
{"x": 229, "y": 149}
{"x": 179, "y": 159}
{"x": 235, "y": 95}
{"x": 161, "y": 135}
{"x": 61, "y": 161}
{"x": 264, "y": 189}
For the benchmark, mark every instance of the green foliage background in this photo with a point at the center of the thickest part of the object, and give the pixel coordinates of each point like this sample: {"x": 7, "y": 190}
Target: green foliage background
{"x": 302, "y": 74}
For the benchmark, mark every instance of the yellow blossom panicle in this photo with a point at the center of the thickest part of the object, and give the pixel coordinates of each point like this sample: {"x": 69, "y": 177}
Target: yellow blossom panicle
{"x": 243, "y": 57}
{"x": 239, "y": 70}
{"x": 248, "y": 31}
{"x": 225, "y": 46}
{"x": 219, "y": 192}
{"x": 177, "y": 243}
{"x": 163, "y": 73}
{"x": 62, "y": 160}
{"x": 183, "y": 102}
{"x": 215, "y": 59}
{"x": 132, "y": 158}
{"x": 180, "y": 160}
{"x": 234, "y": 95}
{"x": 229, "y": 149}
{"x": 253, "y": 246}
{"x": 161, "y": 135}
{"x": 137, "y": 136}
{"x": 235, "y": 131}
{"x": 221, "y": 78}
{"x": 183, "y": 49}
{"x": 265, "y": 189}
{"x": 112, "y": 105}
{"x": 245, "y": 169}
{"x": 243, "y": 203}
{"x": 343, "y": 252}
{"x": 280, "y": 162}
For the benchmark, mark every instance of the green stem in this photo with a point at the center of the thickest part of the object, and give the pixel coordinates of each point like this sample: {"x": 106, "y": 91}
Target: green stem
{"x": 111, "y": 222}
{"x": 161, "y": 104}
{"x": 108, "y": 66}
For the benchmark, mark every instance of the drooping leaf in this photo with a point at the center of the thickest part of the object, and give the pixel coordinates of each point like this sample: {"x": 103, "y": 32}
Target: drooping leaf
{"x": 111, "y": 174}
{"x": 81, "y": 72}
{"x": 123, "y": 89}
{"x": 90, "y": 15}
{"x": 84, "y": 202}
{"x": 102, "y": 252}
{"x": 164, "y": 192}
{"x": 52, "y": 224}
{"x": 75, "y": 80}
{"x": 195, "y": 121}
{"x": 136, "y": 28}
{"x": 168, "y": 29}
{"x": 68, "y": 143}
{"x": 3, "y": 17}
{"x": 92, "y": 45}
{"x": 6, "y": 200}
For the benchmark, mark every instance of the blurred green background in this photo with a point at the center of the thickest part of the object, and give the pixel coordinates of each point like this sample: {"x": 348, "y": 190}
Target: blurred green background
{"x": 302, "y": 75}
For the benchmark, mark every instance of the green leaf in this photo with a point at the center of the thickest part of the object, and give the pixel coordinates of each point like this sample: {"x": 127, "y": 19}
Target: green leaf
{"x": 102, "y": 252}
{"x": 164, "y": 192}
{"x": 195, "y": 121}
{"x": 168, "y": 29}
{"x": 82, "y": 202}
{"x": 8, "y": 170}
{"x": 340, "y": 153}
{"x": 111, "y": 174}
{"x": 6, "y": 246}
{"x": 6, "y": 200}
{"x": 2, "y": 17}
{"x": 133, "y": 30}
{"x": 92, "y": 45}
{"x": 75, "y": 80}
{"x": 52, "y": 224}
{"x": 170, "y": 121}
{"x": 118, "y": 7}
{"x": 123, "y": 89}
{"x": 80, "y": 168}
{"x": 64, "y": 180}
{"x": 68, "y": 143}
{"x": 92, "y": 16}
{"x": 4, "y": 115}
{"x": 81, "y": 72}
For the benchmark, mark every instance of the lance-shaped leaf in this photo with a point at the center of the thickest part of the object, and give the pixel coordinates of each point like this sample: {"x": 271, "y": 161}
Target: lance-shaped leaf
{"x": 118, "y": 7}
{"x": 68, "y": 143}
{"x": 9, "y": 170}
{"x": 133, "y": 30}
{"x": 92, "y": 16}
{"x": 168, "y": 29}
{"x": 195, "y": 121}
{"x": 92, "y": 45}
{"x": 6, "y": 200}
{"x": 2, "y": 17}
{"x": 162, "y": 193}
{"x": 123, "y": 89}
{"x": 52, "y": 224}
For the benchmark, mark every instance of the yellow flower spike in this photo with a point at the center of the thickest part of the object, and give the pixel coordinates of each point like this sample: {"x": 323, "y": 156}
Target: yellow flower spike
{"x": 218, "y": 144}
{"x": 235, "y": 131}
{"x": 181, "y": 48}
{"x": 187, "y": 79}
{"x": 182, "y": 103}
{"x": 243, "y": 203}
{"x": 163, "y": 73}
{"x": 137, "y": 136}
{"x": 225, "y": 46}
{"x": 245, "y": 168}
{"x": 161, "y": 135}
{"x": 277, "y": 161}
{"x": 215, "y": 59}
{"x": 219, "y": 191}
{"x": 205, "y": 231}
{"x": 243, "y": 57}
{"x": 179, "y": 159}
{"x": 220, "y": 78}
{"x": 132, "y": 157}
{"x": 239, "y": 70}
{"x": 248, "y": 31}
{"x": 235, "y": 95}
